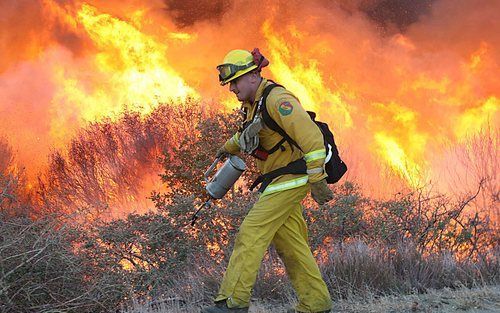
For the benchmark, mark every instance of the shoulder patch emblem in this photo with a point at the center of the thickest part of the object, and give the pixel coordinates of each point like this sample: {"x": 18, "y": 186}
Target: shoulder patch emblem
{"x": 285, "y": 108}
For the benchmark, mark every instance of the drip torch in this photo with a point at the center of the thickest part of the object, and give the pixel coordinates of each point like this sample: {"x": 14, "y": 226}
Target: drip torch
{"x": 221, "y": 182}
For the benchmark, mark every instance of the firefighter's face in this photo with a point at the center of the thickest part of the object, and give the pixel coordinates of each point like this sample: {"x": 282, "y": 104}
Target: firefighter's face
{"x": 245, "y": 86}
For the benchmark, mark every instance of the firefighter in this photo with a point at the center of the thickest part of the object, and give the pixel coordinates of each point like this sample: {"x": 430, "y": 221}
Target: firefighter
{"x": 276, "y": 218}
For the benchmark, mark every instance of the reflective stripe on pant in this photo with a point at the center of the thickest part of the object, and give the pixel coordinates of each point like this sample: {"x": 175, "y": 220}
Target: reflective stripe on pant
{"x": 275, "y": 218}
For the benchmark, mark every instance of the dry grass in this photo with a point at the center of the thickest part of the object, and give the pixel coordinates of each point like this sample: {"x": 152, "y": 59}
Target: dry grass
{"x": 478, "y": 300}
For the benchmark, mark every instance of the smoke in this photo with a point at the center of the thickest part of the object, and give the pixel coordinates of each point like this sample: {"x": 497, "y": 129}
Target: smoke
{"x": 21, "y": 41}
{"x": 188, "y": 12}
{"x": 396, "y": 13}
{"x": 387, "y": 14}
{"x": 29, "y": 27}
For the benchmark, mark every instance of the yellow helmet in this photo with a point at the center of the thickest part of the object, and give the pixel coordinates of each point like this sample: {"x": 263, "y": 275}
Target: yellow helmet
{"x": 235, "y": 64}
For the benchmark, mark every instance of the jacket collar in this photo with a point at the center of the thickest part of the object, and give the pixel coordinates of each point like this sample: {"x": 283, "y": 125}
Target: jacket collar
{"x": 260, "y": 90}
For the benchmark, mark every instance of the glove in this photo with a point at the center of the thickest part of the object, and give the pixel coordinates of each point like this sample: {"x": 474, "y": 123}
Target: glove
{"x": 249, "y": 138}
{"x": 221, "y": 151}
{"x": 320, "y": 192}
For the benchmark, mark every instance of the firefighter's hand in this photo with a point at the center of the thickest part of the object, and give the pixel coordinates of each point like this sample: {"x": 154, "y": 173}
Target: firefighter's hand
{"x": 221, "y": 151}
{"x": 320, "y": 192}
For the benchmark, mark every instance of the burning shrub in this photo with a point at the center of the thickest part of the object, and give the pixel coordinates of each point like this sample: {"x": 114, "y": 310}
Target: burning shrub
{"x": 14, "y": 195}
{"x": 7, "y": 181}
{"x": 105, "y": 166}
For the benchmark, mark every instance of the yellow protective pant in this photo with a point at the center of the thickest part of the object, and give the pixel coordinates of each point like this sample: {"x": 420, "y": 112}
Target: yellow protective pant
{"x": 275, "y": 218}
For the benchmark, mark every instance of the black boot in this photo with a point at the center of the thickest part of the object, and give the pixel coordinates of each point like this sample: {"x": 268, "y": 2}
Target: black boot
{"x": 221, "y": 307}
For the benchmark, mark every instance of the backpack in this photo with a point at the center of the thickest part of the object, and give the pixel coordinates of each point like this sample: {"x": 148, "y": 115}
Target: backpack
{"x": 334, "y": 166}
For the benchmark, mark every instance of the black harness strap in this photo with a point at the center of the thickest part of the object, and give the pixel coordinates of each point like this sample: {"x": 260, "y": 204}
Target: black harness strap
{"x": 268, "y": 120}
{"x": 279, "y": 145}
{"x": 296, "y": 167}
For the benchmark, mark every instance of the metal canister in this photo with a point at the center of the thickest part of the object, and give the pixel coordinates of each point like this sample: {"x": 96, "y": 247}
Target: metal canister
{"x": 225, "y": 177}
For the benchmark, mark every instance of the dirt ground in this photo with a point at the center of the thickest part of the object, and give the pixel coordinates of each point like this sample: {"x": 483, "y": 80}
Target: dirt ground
{"x": 477, "y": 300}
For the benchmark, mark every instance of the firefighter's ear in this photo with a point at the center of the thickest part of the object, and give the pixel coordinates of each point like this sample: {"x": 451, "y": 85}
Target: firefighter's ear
{"x": 255, "y": 76}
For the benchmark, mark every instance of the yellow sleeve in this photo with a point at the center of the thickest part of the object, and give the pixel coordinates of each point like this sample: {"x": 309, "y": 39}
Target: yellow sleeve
{"x": 232, "y": 145}
{"x": 289, "y": 114}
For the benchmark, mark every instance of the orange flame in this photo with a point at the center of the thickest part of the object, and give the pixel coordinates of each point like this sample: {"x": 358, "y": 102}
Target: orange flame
{"x": 132, "y": 69}
{"x": 304, "y": 80}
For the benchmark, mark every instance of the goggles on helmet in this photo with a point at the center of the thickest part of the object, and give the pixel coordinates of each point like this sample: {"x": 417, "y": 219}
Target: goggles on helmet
{"x": 226, "y": 71}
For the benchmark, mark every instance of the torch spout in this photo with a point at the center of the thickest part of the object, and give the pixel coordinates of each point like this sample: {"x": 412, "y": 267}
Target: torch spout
{"x": 206, "y": 204}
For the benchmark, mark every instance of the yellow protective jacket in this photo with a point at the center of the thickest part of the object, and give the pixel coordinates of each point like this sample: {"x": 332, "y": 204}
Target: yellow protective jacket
{"x": 286, "y": 110}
